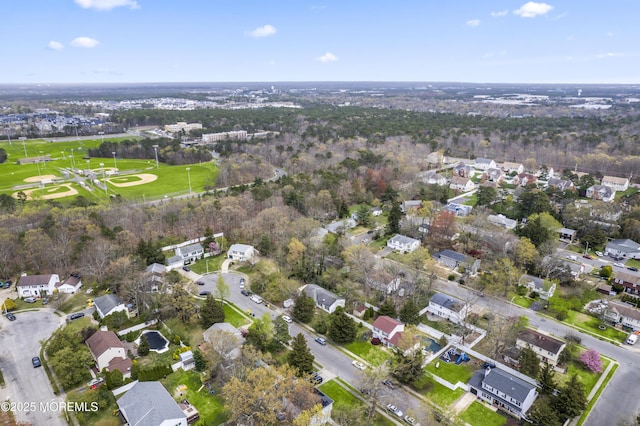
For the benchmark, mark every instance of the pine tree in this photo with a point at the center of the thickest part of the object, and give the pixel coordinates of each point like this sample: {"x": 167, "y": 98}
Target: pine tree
{"x": 211, "y": 312}
{"x": 300, "y": 357}
{"x": 546, "y": 379}
{"x": 342, "y": 329}
{"x": 387, "y": 309}
{"x": 410, "y": 313}
{"x": 303, "y": 308}
{"x": 143, "y": 347}
{"x": 543, "y": 414}
{"x": 571, "y": 399}
{"x": 393, "y": 220}
{"x": 529, "y": 362}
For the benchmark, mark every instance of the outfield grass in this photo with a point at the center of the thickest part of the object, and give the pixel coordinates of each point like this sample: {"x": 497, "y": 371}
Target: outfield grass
{"x": 591, "y": 324}
{"x": 451, "y": 372}
{"x": 479, "y": 415}
{"x": 374, "y": 355}
{"x": 210, "y": 407}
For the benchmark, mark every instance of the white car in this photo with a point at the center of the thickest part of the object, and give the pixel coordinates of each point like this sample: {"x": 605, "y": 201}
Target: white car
{"x": 395, "y": 410}
{"x": 599, "y": 254}
{"x": 572, "y": 257}
{"x": 287, "y": 318}
{"x": 256, "y": 299}
{"x": 618, "y": 265}
{"x": 359, "y": 365}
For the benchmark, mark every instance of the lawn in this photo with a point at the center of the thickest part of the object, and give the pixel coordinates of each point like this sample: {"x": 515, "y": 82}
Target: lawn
{"x": 587, "y": 378}
{"x": 210, "y": 407}
{"x": 591, "y": 324}
{"x": 210, "y": 264}
{"x": 374, "y": 355}
{"x": 451, "y": 372}
{"x": 342, "y": 398}
{"x": 73, "y": 303}
{"x": 525, "y": 302}
{"x": 480, "y": 415}
{"x": 191, "y": 334}
{"x": 441, "y": 395}
{"x": 233, "y": 317}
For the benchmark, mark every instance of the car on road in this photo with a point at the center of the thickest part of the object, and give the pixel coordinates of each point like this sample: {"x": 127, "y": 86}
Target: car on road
{"x": 599, "y": 254}
{"x": 256, "y": 299}
{"x": 200, "y": 282}
{"x": 389, "y": 384}
{"x": 287, "y": 318}
{"x": 76, "y": 316}
{"x": 245, "y": 292}
{"x": 587, "y": 256}
{"x": 36, "y": 362}
{"x": 359, "y": 365}
{"x": 410, "y": 420}
{"x": 10, "y": 316}
{"x": 572, "y": 257}
{"x": 204, "y": 293}
{"x": 395, "y": 410}
{"x": 321, "y": 341}
{"x": 631, "y": 268}
{"x": 618, "y": 265}
{"x": 30, "y": 300}
{"x": 186, "y": 268}
{"x": 242, "y": 282}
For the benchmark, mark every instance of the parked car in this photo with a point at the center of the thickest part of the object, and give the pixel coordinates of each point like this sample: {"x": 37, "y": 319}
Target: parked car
{"x": 572, "y": 257}
{"x": 76, "y": 316}
{"x": 410, "y": 420}
{"x": 245, "y": 292}
{"x": 287, "y": 318}
{"x": 618, "y": 265}
{"x": 359, "y": 365}
{"x": 200, "y": 282}
{"x": 395, "y": 410}
{"x": 36, "y": 362}
{"x": 257, "y": 299}
{"x": 242, "y": 282}
{"x": 186, "y": 268}
{"x": 321, "y": 341}
{"x": 96, "y": 383}
{"x": 45, "y": 300}
{"x": 204, "y": 293}
{"x": 389, "y": 384}
{"x": 30, "y": 300}
{"x": 587, "y": 256}
{"x": 10, "y": 316}
{"x": 599, "y": 254}
{"x": 631, "y": 268}
{"x": 316, "y": 378}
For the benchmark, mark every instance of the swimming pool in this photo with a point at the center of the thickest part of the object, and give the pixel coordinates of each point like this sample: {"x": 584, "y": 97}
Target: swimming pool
{"x": 430, "y": 344}
{"x": 157, "y": 342}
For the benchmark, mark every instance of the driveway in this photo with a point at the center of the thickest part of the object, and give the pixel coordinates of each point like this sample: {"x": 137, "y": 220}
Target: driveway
{"x": 19, "y": 342}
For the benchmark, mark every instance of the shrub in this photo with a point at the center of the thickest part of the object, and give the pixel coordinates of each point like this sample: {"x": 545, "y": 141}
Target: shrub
{"x": 522, "y": 290}
{"x": 534, "y": 295}
{"x": 562, "y": 315}
{"x": 572, "y": 337}
{"x": 131, "y": 336}
{"x": 451, "y": 277}
{"x": 143, "y": 347}
{"x": 320, "y": 326}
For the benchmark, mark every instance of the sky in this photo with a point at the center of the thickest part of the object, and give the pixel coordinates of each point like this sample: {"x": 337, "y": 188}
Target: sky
{"x": 478, "y": 41}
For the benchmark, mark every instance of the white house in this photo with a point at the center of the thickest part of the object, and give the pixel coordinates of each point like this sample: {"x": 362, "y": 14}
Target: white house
{"x": 547, "y": 348}
{"x": 70, "y": 285}
{"x": 464, "y": 170}
{"x": 149, "y": 404}
{"x": 109, "y": 304}
{"x": 503, "y": 390}
{"x": 325, "y": 300}
{"x": 448, "y": 307}
{"x": 433, "y": 178}
{"x": 341, "y": 226}
{"x": 623, "y": 247}
{"x": 617, "y": 183}
{"x": 376, "y": 211}
{"x": 37, "y": 285}
{"x": 190, "y": 253}
{"x": 544, "y": 288}
{"x": 241, "y": 252}
{"x": 502, "y": 220}
{"x": 108, "y": 352}
{"x": 484, "y": 164}
{"x": 510, "y": 167}
{"x": 601, "y": 192}
{"x": 387, "y": 330}
{"x": 460, "y": 183}
{"x": 403, "y": 244}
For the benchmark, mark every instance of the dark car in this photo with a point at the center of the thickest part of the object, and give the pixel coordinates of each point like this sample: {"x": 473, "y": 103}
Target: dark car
{"x": 205, "y": 293}
{"x": 631, "y": 268}
{"x": 245, "y": 292}
{"x": 200, "y": 282}
{"x": 316, "y": 379}
{"x": 76, "y": 316}
{"x": 389, "y": 384}
{"x": 587, "y": 256}
{"x": 11, "y": 317}
{"x": 36, "y": 362}
{"x": 186, "y": 268}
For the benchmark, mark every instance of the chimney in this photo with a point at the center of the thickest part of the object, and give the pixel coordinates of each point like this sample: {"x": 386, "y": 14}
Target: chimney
{"x": 487, "y": 371}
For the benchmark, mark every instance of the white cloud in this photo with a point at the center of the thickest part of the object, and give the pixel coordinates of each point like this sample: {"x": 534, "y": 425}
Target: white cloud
{"x": 473, "y": 22}
{"x": 87, "y": 42}
{"x": 609, "y": 55}
{"x": 55, "y": 45}
{"x": 327, "y": 57}
{"x": 610, "y": 34}
{"x": 265, "y": 31}
{"x": 533, "y": 9}
{"x": 107, "y": 4}
{"x": 500, "y": 13}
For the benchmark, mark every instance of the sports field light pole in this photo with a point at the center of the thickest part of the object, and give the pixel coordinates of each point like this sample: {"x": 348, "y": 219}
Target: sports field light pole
{"x": 42, "y": 158}
{"x": 104, "y": 179}
{"x": 155, "y": 148}
{"x": 22, "y": 138}
{"x": 189, "y": 178}
{"x": 114, "y": 160}
{"x": 72, "y": 165}
{"x": 101, "y": 134}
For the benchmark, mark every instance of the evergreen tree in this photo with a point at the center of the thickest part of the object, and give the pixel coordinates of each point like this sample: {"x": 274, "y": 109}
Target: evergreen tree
{"x": 571, "y": 399}
{"x": 199, "y": 360}
{"x": 410, "y": 313}
{"x": 364, "y": 216}
{"x": 408, "y": 368}
{"x": 393, "y": 220}
{"x": 303, "y": 308}
{"x": 387, "y": 309}
{"x": 342, "y": 329}
{"x": 211, "y": 312}
{"x": 529, "y": 362}
{"x": 114, "y": 379}
{"x": 143, "y": 347}
{"x": 300, "y": 356}
{"x": 546, "y": 380}
{"x": 543, "y": 414}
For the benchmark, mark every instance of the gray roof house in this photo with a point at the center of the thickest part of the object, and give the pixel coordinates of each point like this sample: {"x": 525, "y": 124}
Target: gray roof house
{"x": 149, "y": 404}
{"x": 484, "y": 164}
{"x": 231, "y": 347}
{"x": 340, "y": 226}
{"x": 325, "y": 300}
{"x": 447, "y": 307}
{"x": 109, "y": 304}
{"x": 460, "y": 210}
{"x": 454, "y": 260}
{"x": 544, "y": 288}
{"x": 621, "y": 313}
{"x": 601, "y": 192}
{"x": 623, "y": 247}
{"x": 241, "y": 252}
{"x": 190, "y": 252}
{"x": 503, "y": 390}
{"x": 403, "y": 244}
{"x": 502, "y": 220}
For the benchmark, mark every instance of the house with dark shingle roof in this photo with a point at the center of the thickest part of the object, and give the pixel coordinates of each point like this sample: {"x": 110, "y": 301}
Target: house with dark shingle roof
{"x": 108, "y": 304}
{"x": 191, "y": 252}
{"x": 547, "y": 348}
{"x": 622, "y": 313}
{"x": 544, "y": 288}
{"x": 325, "y": 300}
{"x": 70, "y": 285}
{"x": 455, "y": 260}
{"x": 149, "y": 404}
{"x": 503, "y": 390}
{"x": 387, "y": 330}
{"x": 37, "y": 285}
{"x": 448, "y": 307}
{"x": 630, "y": 282}
{"x": 623, "y": 247}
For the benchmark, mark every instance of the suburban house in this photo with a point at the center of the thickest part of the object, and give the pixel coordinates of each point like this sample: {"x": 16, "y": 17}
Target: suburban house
{"x": 376, "y": 211}
{"x": 433, "y": 178}
{"x": 408, "y": 205}
{"x": 524, "y": 179}
{"x": 149, "y": 404}
{"x": 502, "y": 220}
{"x": 387, "y": 330}
{"x": 545, "y": 173}
{"x": 325, "y": 300}
{"x": 37, "y": 285}
{"x": 108, "y": 352}
{"x": 623, "y": 247}
{"x": 462, "y": 184}
{"x": 561, "y": 184}
{"x": 109, "y": 304}
{"x": 340, "y": 226}
{"x": 154, "y": 277}
{"x": 493, "y": 175}
{"x": 547, "y": 348}
{"x": 448, "y": 307}
{"x": 241, "y": 252}
{"x": 624, "y": 314}
{"x": 601, "y": 192}
{"x": 290, "y": 410}
{"x": 463, "y": 170}
{"x": 567, "y": 234}
{"x": 510, "y": 168}
{"x": 460, "y": 210}
{"x": 630, "y": 282}
{"x": 503, "y": 390}
{"x": 403, "y": 244}
{"x": 382, "y": 280}
{"x": 617, "y": 183}
{"x": 70, "y": 285}
{"x": 190, "y": 253}
{"x": 454, "y": 260}
{"x": 484, "y": 164}
{"x": 544, "y": 288}
{"x": 233, "y": 345}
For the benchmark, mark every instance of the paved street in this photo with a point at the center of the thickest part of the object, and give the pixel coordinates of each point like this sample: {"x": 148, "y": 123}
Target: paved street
{"x": 19, "y": 342}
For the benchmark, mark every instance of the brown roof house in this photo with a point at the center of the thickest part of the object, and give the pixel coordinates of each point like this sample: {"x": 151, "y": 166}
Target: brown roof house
{"x": 387, "y": 330}
{"x": 108, "y": 352}
{"x": 546, "y": 347}
{"x": 70, "y": 285}
{"x": 630, "y": 282}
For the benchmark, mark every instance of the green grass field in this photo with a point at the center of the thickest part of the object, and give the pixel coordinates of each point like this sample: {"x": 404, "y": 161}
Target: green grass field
{"x": 480, "y": 415}
{"x": 171, "y": 180}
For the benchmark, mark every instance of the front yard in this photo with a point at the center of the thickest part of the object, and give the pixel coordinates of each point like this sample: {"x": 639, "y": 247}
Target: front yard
{"x": 210, "y": 407}
{"x": 592, "y": 325}
{"x": 441, "y": 395}
{"x": 374, "y": 355}
{"x": 479, "y": 414}
{"x": 345, "y": 400}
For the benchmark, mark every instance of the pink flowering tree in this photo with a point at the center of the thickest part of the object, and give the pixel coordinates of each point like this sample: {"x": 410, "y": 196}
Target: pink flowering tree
{"x": 591, "y": 360}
